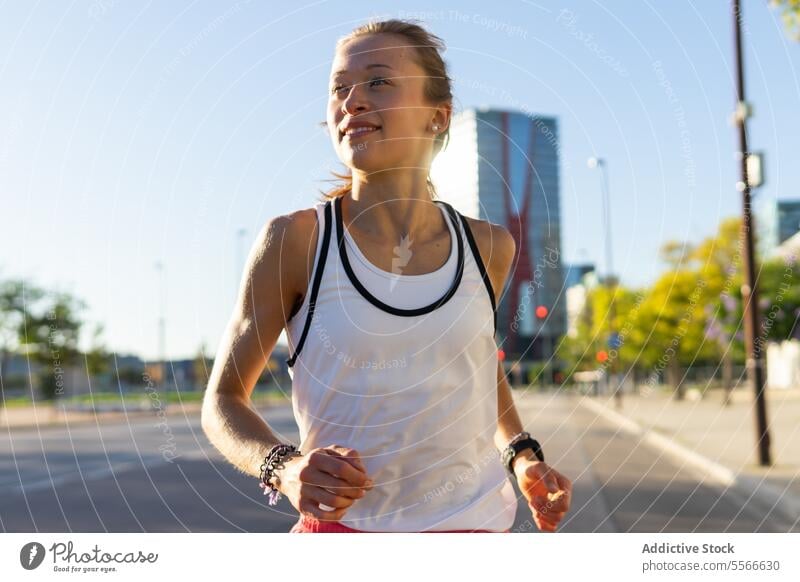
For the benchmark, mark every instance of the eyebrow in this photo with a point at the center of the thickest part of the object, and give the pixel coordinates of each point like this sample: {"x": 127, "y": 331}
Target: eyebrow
{"x": 372, "y": 66}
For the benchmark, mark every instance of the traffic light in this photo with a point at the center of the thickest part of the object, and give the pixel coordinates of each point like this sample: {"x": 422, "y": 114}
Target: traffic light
{"x": 602, "y": 356}
{"x": 541, "y": 311}
{"x": 501, "y": 354}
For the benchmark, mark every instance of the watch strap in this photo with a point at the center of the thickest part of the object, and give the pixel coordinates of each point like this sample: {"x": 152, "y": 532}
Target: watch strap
{"x": 517, "y": 446}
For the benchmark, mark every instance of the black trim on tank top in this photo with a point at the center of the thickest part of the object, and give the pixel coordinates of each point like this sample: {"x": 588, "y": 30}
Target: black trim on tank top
{"x": 312, "y": 298}
{"x": 481, "y": 267}
{"x": 377, "y": 302}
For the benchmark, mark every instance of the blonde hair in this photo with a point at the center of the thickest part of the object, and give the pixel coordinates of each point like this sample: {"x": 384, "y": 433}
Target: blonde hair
{"x": 438, "y": 85}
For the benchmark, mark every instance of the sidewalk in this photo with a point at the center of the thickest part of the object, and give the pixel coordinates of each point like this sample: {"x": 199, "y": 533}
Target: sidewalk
{"x": 720, "y": 442}
{"x": 47, "y": 415}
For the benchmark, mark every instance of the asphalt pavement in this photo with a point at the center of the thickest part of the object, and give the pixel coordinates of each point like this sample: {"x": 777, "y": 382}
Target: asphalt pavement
{"x": 160, "y": 474}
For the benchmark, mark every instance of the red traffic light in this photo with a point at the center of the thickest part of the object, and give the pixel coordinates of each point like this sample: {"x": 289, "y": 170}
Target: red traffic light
{"x": 541, "y": 312}
{"x": 602, "y": 356}
{"x": 501, "y": 355}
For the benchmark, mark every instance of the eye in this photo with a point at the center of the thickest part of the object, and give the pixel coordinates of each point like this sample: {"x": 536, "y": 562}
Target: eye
{"x": 336, "y": 88}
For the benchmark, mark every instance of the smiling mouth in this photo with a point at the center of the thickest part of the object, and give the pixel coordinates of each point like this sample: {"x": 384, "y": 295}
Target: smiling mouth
{"x": 359, "y": 133}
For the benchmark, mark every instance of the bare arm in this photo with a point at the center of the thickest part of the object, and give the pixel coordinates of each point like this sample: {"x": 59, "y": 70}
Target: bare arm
{"x": 270, "y": 286}
{"x": 498, "y": 249}
{"x": 508, "y": 420}
{"x": 547, "y": 491}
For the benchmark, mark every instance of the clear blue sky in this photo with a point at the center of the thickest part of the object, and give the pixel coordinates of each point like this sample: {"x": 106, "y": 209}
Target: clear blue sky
{"x": 132, "y": 132}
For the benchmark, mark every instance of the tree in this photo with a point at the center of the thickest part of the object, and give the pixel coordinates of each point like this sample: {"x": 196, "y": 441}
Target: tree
{"x": 594, "y": 325}
{"x": 97, "y": 358}
{"x": 16, "y": 296}
{"x": 779, "y": 282}
{"x": 671, "y": 326}
{"x": 675, "y": 254}
{"x": 49, "y": 335}
{"x": 790, "y": 13}
{"x": 720, "y": 262}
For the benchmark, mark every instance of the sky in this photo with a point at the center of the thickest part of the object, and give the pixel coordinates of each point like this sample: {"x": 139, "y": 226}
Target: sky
{"x": 138, "y": 133}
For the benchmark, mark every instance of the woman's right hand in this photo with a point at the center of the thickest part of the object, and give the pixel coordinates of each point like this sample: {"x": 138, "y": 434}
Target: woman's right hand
{"x": 333, "y": 476}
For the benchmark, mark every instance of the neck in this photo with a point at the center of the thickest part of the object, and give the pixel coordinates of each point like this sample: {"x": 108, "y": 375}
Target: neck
{"x": 391, "y": 205}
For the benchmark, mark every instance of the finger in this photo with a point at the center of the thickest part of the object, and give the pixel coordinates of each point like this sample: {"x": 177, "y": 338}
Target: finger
{"x": 337, "y": 486}
{"x": 539, "y": 503}
{"x": 550, "y": 481}
{"x": 349, "y": 470}
{"x": 552, "y": 518}
{"x": 336, "y": 466}
{"x": 541, "y": 480}
{"x": 547, "y": 509}
{"x": 352, "y": 456}
{"x": 558, "y": 503}
{"x": 565, "y": 485}
{"x": 331, "y": 500}
{"x": 309, "y": 507}
{"x": 544, "y": 526}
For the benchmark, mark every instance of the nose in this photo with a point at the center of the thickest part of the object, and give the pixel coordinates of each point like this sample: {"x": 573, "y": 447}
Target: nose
{"x": 355, "y": 100}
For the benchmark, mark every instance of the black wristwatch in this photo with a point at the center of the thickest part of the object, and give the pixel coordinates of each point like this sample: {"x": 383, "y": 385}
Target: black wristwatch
{"x": 519, "y": 443}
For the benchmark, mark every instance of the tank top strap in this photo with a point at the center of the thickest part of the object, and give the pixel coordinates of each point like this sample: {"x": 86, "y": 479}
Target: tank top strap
{"x": 476, "y": 254}
{"x": 354, "y": 281}
{"x": 319, "y": 267}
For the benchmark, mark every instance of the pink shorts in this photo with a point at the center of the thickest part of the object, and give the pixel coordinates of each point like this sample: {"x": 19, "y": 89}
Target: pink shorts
{"x": 307, "y": 524}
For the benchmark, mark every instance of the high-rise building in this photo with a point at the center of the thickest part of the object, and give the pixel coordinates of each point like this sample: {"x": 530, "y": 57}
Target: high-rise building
{"x": 776, "y": 221}
{"x": 503, "y": 166}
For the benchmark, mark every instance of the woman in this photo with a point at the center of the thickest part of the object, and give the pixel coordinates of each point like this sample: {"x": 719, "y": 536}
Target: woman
{"x": 404, "y": 411}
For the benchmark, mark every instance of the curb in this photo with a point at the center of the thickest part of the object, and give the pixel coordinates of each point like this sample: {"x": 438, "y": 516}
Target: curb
{"x": 749, "y": 486}
{"x": 76, "y": 417}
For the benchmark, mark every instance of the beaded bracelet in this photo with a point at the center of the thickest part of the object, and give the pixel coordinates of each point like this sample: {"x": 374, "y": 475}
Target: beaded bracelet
{"x": 274, "y": 460}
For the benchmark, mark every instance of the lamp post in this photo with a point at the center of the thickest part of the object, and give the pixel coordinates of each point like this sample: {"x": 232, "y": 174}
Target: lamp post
{"x": 595, "y": 162}
{"x": 161, "y": 326}
{"x": 755, "y": 363}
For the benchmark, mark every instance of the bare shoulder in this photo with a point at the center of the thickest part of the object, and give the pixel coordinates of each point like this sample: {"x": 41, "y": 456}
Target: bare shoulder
{"x": 282, "y": 256}
{"x": 497, "y": 248}
{"x": 287, "y": 234}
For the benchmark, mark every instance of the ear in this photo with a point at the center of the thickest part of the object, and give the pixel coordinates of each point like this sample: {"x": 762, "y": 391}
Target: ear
{"x": 442, "y": 115}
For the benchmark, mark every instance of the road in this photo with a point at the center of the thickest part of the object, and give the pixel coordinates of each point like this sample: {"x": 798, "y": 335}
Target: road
{"x": 162, "y": 475}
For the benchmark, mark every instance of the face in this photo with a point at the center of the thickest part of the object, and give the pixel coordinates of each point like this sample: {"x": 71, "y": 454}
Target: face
{"x": 374, "y": 80}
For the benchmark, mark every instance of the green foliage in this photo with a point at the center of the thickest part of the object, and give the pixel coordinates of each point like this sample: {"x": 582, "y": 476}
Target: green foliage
{"x": 790, "y": 13}
{"x": 45, "y": 327}
{"x": 691, "y": 315}
{"x": 98, "y": 360}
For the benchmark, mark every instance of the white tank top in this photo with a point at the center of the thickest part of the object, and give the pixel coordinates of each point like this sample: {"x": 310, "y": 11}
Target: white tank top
{"x": 403, "y": 369}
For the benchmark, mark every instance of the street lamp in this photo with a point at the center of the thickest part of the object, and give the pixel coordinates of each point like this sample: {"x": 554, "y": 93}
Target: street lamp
{"x": 595, "y": 162}
{"x": 601, "y": 163}
{"x": 161, "y": 325}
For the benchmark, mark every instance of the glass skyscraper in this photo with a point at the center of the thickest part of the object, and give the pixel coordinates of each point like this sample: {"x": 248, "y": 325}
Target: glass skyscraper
{"x": 776, "y": 221}
{"x": 503, "y": 166}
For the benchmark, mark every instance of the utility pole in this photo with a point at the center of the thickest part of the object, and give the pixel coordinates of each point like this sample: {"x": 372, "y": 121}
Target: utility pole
{"x": 755, "y": 363}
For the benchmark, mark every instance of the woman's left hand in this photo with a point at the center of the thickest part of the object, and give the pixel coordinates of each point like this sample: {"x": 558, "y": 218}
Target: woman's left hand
{"x": 548, "y": 492}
